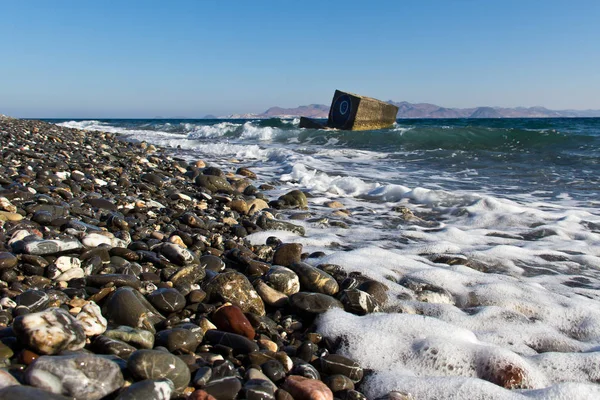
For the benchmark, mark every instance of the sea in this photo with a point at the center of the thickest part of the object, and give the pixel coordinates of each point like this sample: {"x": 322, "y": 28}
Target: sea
{"x": 485, "y": 231}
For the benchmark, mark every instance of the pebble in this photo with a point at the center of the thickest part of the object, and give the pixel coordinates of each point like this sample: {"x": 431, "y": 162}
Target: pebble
{"x": 200, "y": 395}
{"x": 83, "y": 376}
{"x": 50, "y": 247}
{"x": 149, "y": 389}
{"x": 105, "y": 345}
{"x": 127, "y": 306}
{"x": 338, "y": 383}
{"x": 225, "y": 388}
{"x": 286, "y": 254}
{"x": 7, "y": 260}
{"x": 273, "y": 370}
{"x": 359, "y": 302}
{"x": 316, "y": 303}
{"x": 315, "y": 280}
{"x": 257, "y": 389}
{"x": 235, "y": 288}
{"x": 178, "y": 340}
{"x": 6, "y": 379}
{"x": 167, "y": 300}
{"x": 230, "y": 318}
{"x": 337, "y": 364}
{"x": 50, "y": 331}
{"x": 91, "y": 319}
{"x": 154, "y": 364}
{"x": 140, "y": 338}
{"x": 269, "y": 295}
{"x": 307, "y": 389}
{"x": 283, "y": 280}
{"x": 239, "y": 344}
{"x": 29, "y": 392}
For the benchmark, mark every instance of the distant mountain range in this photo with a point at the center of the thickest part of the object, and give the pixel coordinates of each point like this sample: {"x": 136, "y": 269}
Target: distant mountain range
{"x": 426, "y": 110}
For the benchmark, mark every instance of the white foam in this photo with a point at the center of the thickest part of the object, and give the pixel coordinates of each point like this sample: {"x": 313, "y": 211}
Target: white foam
{"x": 211, "y": 131}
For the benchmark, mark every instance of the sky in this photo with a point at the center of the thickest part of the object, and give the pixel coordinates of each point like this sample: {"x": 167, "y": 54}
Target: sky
{"x": 141, "y": 59}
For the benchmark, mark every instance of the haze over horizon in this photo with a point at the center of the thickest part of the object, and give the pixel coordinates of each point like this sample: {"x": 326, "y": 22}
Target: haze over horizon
{"x": 190, "y": 58}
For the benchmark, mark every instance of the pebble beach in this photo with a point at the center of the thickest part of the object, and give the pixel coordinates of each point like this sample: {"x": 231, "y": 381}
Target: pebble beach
{"x": 124, "y": 274}
{"x": 133, "y": 270}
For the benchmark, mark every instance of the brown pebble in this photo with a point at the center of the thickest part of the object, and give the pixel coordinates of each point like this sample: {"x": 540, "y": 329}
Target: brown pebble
{"x": 230, "y": 318}
{"x": 239, "y": 205}
{"x": 334, "y": 204}
{"x": 97, "y": 297}
{"x": 287, "y": 253}
{"x": 200, "y": 395}
{"x": 27, "y": 357}
{"x": 302, "y": 388}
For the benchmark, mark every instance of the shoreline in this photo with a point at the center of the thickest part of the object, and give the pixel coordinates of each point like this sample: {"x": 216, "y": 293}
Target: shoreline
{"x": 121, "y": 233}
{"x": 452, "y": 324}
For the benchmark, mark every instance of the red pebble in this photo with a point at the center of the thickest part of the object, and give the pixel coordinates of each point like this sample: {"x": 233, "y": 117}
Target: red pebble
{"x": 230, "y": 318}
{"x": 200, "y": 395}
{"x": 302, "y": 388}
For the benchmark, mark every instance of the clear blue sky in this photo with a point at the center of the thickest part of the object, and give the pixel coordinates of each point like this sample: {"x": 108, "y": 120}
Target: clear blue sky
{"x": 191, "y": 58}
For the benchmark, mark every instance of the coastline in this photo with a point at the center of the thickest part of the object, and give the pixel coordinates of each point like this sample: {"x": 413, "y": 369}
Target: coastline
{"x": 451, "y": 325}
{"x": 119, "y": 233}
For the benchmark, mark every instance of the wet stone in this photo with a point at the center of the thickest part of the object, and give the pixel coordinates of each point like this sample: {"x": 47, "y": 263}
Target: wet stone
{"x": 149, "y": 389}
{"x": 177, "y": 340}
{"x": 359, "y": 302}
{"x": 225, "y": 388}
{"x": 139, "y": 338}
{"x": 186, "y": 276}
{"x": 91, "y": 319}
{"x": 212, "y": 263}
{"x": 286, "y": 254}
{"x": 105, "y": 345}
{"x": 49, "y": 247}
{"x": 234, "y": 287}
{"x": 50, "y": 331}
{"x": 6, "y": 379}
{"x": 29, "y": 392}
{"x": 273, "y": 224}
{"x": 33, "y": 300}
{"x": 239, "y": 344}
{"x": 230, "y": 318}
{"x": 315, "y": 303}
{"x": 177, "y": 254}
{"x": 376, "y": 289}
{"x": 314, "y": 279}
{"x": 200, "y": 395}
{"x": 101, "y": 203}
{"x": 336, "y": 364}
{"x": 7, "y": 260}
{"x": 214, "y": 183}
{"x": 269, "y": 295}
{"x": 257, "y": 389}
{"x": 154, "y": 364}
{"x": 339, "y": 382}
{"x": 118, "y": 280}
{"x": 167, "y": 300}
{"x": 273, "y": 370}
{"x": 127, "y": 306}
{"x": 294, "y": 198}
{"x": 283, "y": 280}
{"x": 306, "y": 351}
{"x": 202, "y": 376}
{"x": 83, "y": 376}
{"x": 307, "y": 389}
{"x": 306, "y": 370}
